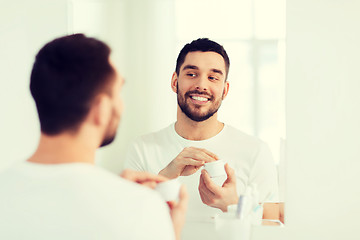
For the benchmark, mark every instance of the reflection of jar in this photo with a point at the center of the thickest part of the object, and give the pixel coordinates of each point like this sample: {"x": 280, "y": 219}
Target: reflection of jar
{"x": 169, "y": 190}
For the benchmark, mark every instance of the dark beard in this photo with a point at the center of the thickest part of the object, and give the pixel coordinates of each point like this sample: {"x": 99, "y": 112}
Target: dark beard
{"x": 107, "y": 141}
{"x": 109, "y": 138}
{"x": 185, "y": 108}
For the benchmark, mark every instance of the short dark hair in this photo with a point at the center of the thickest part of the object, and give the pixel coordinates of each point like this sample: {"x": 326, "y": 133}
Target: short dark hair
{"x": 203, "y": 45}
{"x": 67, "y": 74}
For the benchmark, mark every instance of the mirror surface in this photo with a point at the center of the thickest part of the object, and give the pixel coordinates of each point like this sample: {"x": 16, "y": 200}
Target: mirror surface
{"x": 147, "y": 36}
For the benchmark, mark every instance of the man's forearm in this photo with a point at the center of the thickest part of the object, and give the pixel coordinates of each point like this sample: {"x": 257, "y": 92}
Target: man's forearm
{"x": 271, "y": 211}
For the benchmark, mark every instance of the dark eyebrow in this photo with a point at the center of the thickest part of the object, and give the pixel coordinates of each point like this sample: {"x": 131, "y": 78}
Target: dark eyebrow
{"x": 196, "y": 68}
{"x": 217, "y": 71}
{"x": 190, "y": 67}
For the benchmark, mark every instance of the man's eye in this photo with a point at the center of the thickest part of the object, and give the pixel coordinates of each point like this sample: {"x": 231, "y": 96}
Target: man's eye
{"x": 213, "y": 78}
{"x": 191, "y": 74}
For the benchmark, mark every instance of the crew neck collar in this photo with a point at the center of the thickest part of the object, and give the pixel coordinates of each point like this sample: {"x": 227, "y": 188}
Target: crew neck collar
{"x": 182, "y": 139}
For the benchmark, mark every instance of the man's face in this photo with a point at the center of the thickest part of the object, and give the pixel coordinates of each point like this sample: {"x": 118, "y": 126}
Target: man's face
{"x": 117, "y": 110}
{"x": 201, "y": 85}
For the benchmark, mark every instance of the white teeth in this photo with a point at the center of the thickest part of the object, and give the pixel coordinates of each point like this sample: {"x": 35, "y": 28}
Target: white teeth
{"x": 199, "y": 98}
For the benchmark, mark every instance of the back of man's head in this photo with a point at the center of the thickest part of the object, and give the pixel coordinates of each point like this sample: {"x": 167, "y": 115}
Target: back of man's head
{"x": 67, "y": 74}
{"x": 202, "y": 45}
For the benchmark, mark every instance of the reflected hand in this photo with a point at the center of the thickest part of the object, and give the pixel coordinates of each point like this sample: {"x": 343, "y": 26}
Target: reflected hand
{"x": 189, "y": 160}
{"x": 143, "y": 178}
{"x": 216, "y": 196}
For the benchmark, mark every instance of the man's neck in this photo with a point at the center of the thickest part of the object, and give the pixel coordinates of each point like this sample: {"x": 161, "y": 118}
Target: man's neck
{"x": 64, "y": 148}
{"x": 197, "y": 131}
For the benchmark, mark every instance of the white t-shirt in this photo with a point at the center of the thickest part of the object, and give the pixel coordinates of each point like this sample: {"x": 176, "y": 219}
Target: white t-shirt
{"x": 248, "y": 156}
{"x": 76, "y": 201}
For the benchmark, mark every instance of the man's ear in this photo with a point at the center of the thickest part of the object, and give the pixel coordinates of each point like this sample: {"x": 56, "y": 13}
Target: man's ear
{"x": 174, "y": 81}
{"x": 226, "y": 89}
{"x": 101, "y": 110}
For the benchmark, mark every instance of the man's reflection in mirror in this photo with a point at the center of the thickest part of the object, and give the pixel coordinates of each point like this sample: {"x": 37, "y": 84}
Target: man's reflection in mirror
{"x": 198, "y": 137}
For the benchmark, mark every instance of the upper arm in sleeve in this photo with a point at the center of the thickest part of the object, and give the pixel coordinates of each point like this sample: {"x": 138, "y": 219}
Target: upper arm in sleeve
{"x": 134, "y": 158}
{"x": 264, "y": 175}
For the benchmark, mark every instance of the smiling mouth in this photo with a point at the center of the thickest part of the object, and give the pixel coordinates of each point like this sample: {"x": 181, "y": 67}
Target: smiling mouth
{"x": 201, "y": 99}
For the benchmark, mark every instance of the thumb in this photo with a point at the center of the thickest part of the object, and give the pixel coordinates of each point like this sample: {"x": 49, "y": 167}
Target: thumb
{"x": 231, "y": 178}
{"x": 183, "y": 198}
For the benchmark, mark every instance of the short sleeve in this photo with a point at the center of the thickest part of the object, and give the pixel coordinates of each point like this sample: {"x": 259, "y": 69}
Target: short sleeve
{"x": 264, "y": 175}
{"x": 134, "y": 158}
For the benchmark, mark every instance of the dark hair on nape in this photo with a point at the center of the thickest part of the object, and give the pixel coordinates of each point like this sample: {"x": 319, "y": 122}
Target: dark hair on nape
{"x": 203, "y": 45}
{"x": 67, "y": 74}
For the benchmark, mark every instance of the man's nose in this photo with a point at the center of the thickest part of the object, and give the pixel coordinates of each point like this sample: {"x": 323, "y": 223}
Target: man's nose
{"x": 201, "y": 84}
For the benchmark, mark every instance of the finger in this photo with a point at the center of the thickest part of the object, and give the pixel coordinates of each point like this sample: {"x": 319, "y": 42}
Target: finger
{"x": 192, "y": 162}
{"x": 204, "y": 197}
{"x": 145, "y": 177}
{"x": 189, "y": 170}
{"x": 231, "y": 177}
{"x": 171, "y": 204}
{"x": 207, "y": 157}
{"x": 199, "y": 154}
{"x": 212, "y": 155}
{"x": 150, "y": 184}
{"x": 210, "y": 185}
{"x": 201, "y": 182}
{"x": 141, "y": 177}
{"x": 206, "y": 194}
{"x": 127, "y": 173}
{"x": 183, "y": 198}
{"x": 204, "y": 189}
